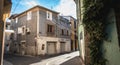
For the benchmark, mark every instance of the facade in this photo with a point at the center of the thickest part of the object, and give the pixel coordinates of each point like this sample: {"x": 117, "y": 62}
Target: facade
{"x": 81, "y": 37}
{"x": 111, "y": 47}
{"x": 5, "y": 7}
{"x": 74, "y": 36}
{"x": 36, "y": 33}
{"x": 8, "y": 33}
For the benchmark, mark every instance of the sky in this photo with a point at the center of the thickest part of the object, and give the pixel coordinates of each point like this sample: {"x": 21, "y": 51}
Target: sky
{"x": 65, "y": 7}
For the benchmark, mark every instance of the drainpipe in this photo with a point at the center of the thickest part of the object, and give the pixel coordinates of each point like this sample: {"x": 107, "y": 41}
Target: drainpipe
{"x": 1, "y": 33}
{"x": 78, "y": 20}
{"x": 4, "y": 9}
{"x": 36, "y": 46}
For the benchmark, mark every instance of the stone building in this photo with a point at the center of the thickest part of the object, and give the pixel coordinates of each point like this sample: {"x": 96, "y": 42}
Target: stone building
{"x": 38, "y": 32}
{"x": 74, "y": 36}
{"x": 111, "y": 47}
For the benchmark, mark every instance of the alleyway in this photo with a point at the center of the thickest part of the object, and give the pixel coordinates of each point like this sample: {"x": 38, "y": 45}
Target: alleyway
{"x": 65, "y": 59}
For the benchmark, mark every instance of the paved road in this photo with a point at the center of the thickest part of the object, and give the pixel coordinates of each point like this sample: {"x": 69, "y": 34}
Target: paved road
{"x": 24, "y": 60}
{"x": 73, "y": 61}
{"x": 58, "y": 60}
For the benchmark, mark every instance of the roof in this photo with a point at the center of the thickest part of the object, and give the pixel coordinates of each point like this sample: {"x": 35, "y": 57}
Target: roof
{"x": 12, "y": 16}
{"x": 70, "y": 17}
{"x": 64, "y": 19}
{"x": 36, "y": 7}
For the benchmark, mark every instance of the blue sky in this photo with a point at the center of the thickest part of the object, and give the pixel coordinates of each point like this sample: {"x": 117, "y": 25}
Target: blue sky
{"x": 65, "y": 7}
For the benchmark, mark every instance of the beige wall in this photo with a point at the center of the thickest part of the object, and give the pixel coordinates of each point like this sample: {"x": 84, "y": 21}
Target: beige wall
{"x": 43, "y": 22}
{"x": 44, "y": 40}
{"x": 38, "y": 32}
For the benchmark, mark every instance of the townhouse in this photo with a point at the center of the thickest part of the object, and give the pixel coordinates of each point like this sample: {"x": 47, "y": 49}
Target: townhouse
{"x": 38, "y": 32}
{"x": 7, "y": 39}
{"x": 73, "y": 32}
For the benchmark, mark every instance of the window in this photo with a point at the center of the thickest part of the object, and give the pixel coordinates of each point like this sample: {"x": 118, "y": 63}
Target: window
{"x": 19, "y": 30}
{"x": 27, "y": 30}
{"x": 29, "y": 15}
{"x": 23, "y": 30}
{"x": 6, "y": 26}
{"x": 15, "y": 36}
{"x": 49, "y": 15}
{"x": 50, "y": 28}
{"x": 75, "y": 24}
{"x": 62, "y": 32}
{"x": 43, "y": 46}
{"x": 81, "y": 36}
{"x": 67, "y": 32}
{"x": 16, "y": 20}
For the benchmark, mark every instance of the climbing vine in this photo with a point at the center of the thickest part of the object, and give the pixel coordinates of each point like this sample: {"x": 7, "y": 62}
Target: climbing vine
{"x": 94, "y": 20}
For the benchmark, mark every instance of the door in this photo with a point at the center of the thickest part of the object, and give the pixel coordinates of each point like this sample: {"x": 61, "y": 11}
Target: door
{"x": 62, "y": 47}
{"x": 72, "y": 48}
{"x": 51, "y": 48}
{"x": 22, "y": 47}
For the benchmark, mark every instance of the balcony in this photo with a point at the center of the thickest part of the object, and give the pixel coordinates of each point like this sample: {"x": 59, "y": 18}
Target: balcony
{"x": 50, "y": 34}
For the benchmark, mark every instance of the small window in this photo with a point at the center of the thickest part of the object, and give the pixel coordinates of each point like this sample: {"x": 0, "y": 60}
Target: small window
{"x": 49, "y": 15}
{"x": 62, "y": 32}
{"x": 16, "y": 20}
{"x": 23, "y": 30}
{"x": 6, "y": 26}
{"x": 67, "y": 33}
{"x": 43, "y": 46}
{"x": 15, "y": 36}
{"x": 29, "y": 15}
{"x": 19, "y": 30}
{"x": 81, "y": 36}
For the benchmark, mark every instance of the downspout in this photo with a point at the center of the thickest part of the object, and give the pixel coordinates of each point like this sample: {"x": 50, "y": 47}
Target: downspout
{"x": 78, "y": 20}
{"x": 1, "y": 33}
{"x": 36, "y": 46}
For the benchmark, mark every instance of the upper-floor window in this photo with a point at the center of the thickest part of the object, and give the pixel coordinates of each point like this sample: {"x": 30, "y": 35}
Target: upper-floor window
{"x": 50, "y": 28}
{"x": 75, "y": 24}
{"x": 16, "y": 20}
{"x": 29, "y": 15}
{"x": 19, "y": 30}
{"x": 8, "y": 27}
{"x": 49, "y": 15}
{"x": 23, "y": 30}
{"x": 67, "y": 32}
{"x": 62, "y": 32}
{"x": 81, "y": 36}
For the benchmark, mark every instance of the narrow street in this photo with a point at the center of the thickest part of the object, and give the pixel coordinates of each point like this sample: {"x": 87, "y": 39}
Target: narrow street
{"x": 58, "y": 60}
